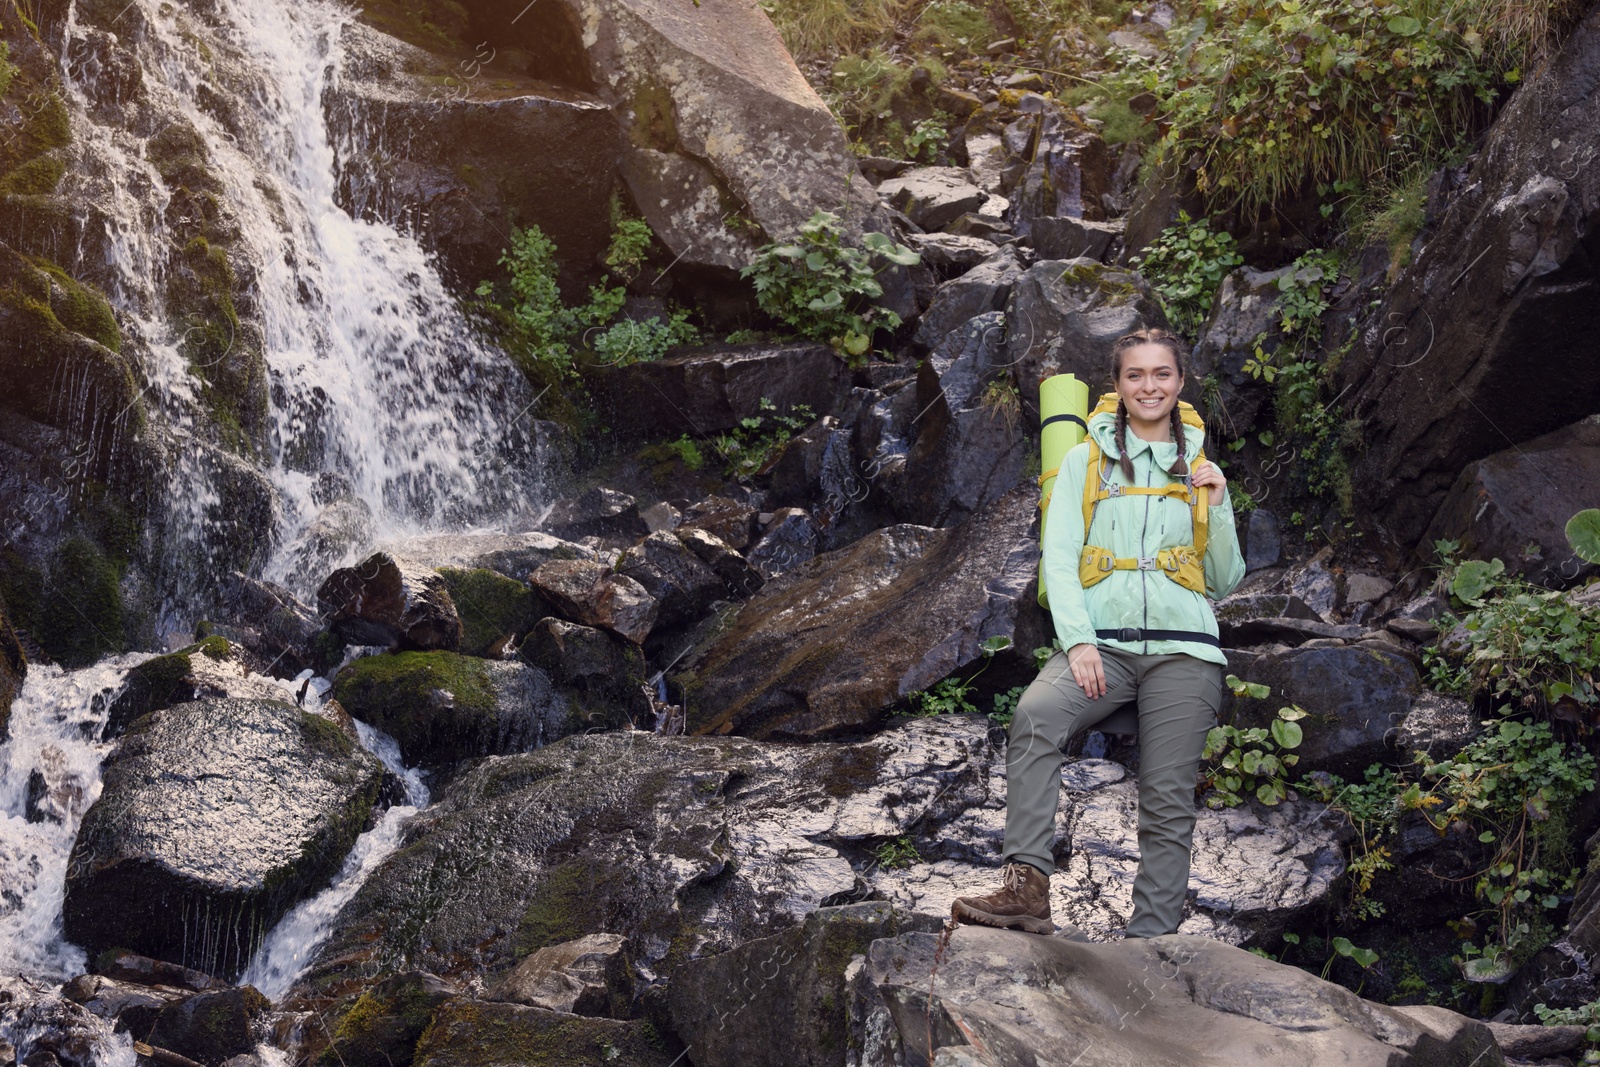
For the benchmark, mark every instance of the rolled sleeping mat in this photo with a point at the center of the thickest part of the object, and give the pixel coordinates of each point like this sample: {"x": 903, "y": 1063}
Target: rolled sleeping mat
{"x": 1063, "y": 414}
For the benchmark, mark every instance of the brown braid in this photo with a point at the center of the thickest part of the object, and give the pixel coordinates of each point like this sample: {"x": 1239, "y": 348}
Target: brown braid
{"x": 1174, "y": 345}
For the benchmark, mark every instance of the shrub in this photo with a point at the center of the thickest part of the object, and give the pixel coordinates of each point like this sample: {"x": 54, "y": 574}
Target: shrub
{"x": 1276, "y": 96}
{"x": 820, "y": 286}
{"x": 1186, "y": 263}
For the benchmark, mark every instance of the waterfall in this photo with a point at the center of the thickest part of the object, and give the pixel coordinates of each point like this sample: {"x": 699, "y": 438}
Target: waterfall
{"x": 49, "y": 775}
{"x": 387, "y": 416}
{"x": 290, "y": 946}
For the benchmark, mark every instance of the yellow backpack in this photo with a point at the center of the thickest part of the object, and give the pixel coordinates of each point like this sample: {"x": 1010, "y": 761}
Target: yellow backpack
{"x": 1184, "y": 564}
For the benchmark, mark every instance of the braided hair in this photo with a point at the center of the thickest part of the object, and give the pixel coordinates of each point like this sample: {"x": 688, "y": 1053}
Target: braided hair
{"x": 1172, "y": 344}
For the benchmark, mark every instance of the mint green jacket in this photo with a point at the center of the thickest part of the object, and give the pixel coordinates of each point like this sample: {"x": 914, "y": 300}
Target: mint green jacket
{"x": 1134, "y": 526}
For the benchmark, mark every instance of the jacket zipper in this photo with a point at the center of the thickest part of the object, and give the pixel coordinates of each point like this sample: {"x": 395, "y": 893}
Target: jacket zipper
{"x": 1144, "y": 575}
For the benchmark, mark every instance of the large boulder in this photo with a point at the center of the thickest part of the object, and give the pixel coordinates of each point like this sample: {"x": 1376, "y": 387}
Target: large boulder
{"x": 1244, "y": 314}
{"x": 711, "y": 390}
{"x": 464, "y": 158}
{"x": 1523, "y": 496}
{"x": 681, "y": 584}
{"x": 1068, "y": 171}
{"x": 691, "y": 846}
{"x": 207, "y": 668}
{"x": 215, "y": 1025}
{"x": 824, "y": 649}
{"x": 1064, "y": 315}
{"x": 1490, "y": 306}
{"x": 780, "y": 1001}
{"x": 970, "y": 447}
{"x": 1358, "y": 697}
{"x": 385, "y": 600}
{"x": 601, "y": 674}
{"x": 933, "y": 197}
{"x": 443, "y": 708}
{"x": 986, "y": 287}
{"x": 595, "y": 595}
{"x": 215, "y": 818}
{"x": 1178, "y": 1000}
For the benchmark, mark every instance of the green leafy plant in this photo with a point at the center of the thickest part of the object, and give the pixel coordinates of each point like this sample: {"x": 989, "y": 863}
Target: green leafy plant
{"x": 1303, "y": 295}
{"x": 1267, "y": 98}
{"x": 1583, "y": 534}
{"x": 1186, "y": 263}
{"x": 897, "y": 852}
{"x": 926, "y": 138}
{"x": 1253, "y": 759}
{"x": 752, "y": 444}
{"x": 1372, "y": 808}
{"x": 820, "y": 286}
{"x": 952, "y": 695}
{"x": 1342, "y": 946}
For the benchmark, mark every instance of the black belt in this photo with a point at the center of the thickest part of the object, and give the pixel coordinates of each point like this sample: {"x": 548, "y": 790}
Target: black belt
{"x": 1064, "y": 418}
{"x": 1134, "y": 633}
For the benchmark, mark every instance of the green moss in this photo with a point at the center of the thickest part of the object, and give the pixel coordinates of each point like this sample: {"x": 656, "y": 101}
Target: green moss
{"x": 67, "y": 303}
{"x": 490, "y": 606}
{"x": 381, "y": 1028}
{"x": 555, "y": 911}
{"x": 432, "y": 25}
{"x": 654, "y": 124}
{"x": 36, "y": 177}
{"x": 324, "y": 737}
{"x": 477, "y": 1034}
{"x": 216, "y": 647}
{"x": 72, "y": 607}
{"x": 439, "y": 706}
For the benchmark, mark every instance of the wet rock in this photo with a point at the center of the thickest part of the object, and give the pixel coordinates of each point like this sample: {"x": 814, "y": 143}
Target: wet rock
{"x": 443, "y": 708}
{"x": 600, "y": 674}
{"x": 951, "y": 250}
{"x": 1063, "y": 316}
{"x": 836, "y": 640}
{"x": 1317, "y": 585}
{"x": 267, "y": 624}
{"x": 381, "y": 1027}
{"x": 739, "y": 577}
{"x": 682, "y": 585}
{"x": 604, "y": 513}
{"x": 779, "y": 1001}
{"x": 123, "y": 966}
{"x": 1365, "y": 588}
{"x": 1530, "y": 1042}
{"x": 1244, "y": 314}
{"x": 1180, "y": 999}
{"x": 1263, "y": 540}
{"x": 790, "y": 539}
{"x": 1288, "y": 631}
{"x": 1462, "y": 315}
{"x": 1357, "y": 697}
{"x": 1242, "y": 607}
{"x": 730, "y": 521}
{"x": 385, "y": 601}
{"x": 495, "y": 611}
{"x": 1068, "y": 171}
{"x": 795, "y": 477}
{"x": 983, "y": 289}
{"x": 514, "y": 555}
{"x": 587, "y": 976}
{"x": 933, "y": 196}
{"x": 48, "y": 1029}
{"x": 215, "y": 818}
{"x": 969, "y": 447}
{"x": 1524, "y": 495}
{"x": 468, "y": 1033}
{"x": 13, "y": 669}
{"x": 208, "y": 668}
{"x": 212, "y": 1026}
{"x": 595, "y": 595}
{"x": 1063, "y": 237}
{"x": 125, "y": 1005}
{"x": 1583, "y": 922}
{"x": 706, "y": 391}
{"x": 461, "y": 161}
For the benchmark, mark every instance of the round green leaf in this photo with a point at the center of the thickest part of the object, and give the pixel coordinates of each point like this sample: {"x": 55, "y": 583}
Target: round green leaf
{"x": 1583, "y": 534}
{"x": 1405, "y": 26}
{"x": 1287, "y": 734}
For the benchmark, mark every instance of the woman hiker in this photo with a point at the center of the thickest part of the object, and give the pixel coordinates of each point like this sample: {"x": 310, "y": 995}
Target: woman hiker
{"x": 1132, "y": 629}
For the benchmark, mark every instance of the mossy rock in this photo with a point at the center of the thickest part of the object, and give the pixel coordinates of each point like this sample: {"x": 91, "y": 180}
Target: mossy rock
{"x": 490, "y": 606}
{"x": 214, "y": 1025}
{"x": 37, "y": 177}
{"x": 72, "y": 606}
{"x": 442, "y": 707}
{"x": 468, "y": 1033}
{"x": 380, "y": 1028}
{"x": 432, "y": 25}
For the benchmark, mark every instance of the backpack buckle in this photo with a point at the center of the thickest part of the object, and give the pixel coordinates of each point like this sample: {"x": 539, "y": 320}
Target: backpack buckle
{"x": 1149, "y": 563}
{"x": 1107, "y": 563}
{"x": 1111, "y": 488}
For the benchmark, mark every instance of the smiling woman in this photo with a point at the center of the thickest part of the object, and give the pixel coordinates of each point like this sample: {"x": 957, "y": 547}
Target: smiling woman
{"x": 1129, "y": 575}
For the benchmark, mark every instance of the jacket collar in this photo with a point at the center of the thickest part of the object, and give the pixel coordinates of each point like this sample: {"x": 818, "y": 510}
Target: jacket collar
{"x": 1103, "y": 428}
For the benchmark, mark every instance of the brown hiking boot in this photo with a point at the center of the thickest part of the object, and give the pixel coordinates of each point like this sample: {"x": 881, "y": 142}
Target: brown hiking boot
{"x": 1022, "y": 903}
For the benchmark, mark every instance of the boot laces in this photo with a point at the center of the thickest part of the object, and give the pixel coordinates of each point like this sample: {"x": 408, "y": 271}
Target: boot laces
{"x": 1013, "y": 877}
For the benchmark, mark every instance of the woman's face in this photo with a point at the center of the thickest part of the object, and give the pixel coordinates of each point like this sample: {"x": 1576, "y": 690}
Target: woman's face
{"x": 1149, "y": 384}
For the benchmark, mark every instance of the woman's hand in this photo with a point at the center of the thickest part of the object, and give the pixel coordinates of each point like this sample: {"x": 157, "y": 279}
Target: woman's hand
{"x": 1208, "y": 473}
{"x": 1087, "y": 670}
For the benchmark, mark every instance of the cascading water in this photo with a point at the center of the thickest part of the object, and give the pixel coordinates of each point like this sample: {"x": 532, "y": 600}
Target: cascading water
{"x": 289, "y": 948}
{"x": 386, "y": 416}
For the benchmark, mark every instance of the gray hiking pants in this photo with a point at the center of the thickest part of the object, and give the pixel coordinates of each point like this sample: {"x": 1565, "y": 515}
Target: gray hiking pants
{"x": 1178, "y": 698}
